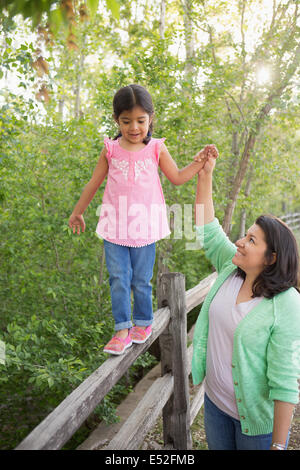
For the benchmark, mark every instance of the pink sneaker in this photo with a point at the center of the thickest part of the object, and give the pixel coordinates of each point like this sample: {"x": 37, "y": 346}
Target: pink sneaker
{"x": 117, "y": 345}
{"x": 139, "y": 334}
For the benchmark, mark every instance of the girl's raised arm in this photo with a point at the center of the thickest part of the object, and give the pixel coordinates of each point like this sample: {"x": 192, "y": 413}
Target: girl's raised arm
{"x": 76, "y": 219}
{"x": 173, "y": 173}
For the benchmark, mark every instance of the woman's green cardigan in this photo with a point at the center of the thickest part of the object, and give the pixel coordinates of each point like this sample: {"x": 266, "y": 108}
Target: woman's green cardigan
{"x": 266, "y": 347}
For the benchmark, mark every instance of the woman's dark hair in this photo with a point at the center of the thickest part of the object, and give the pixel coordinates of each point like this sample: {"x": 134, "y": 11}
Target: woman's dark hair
{"x": 284, "y": 272}
{"x": 133, "y": 95}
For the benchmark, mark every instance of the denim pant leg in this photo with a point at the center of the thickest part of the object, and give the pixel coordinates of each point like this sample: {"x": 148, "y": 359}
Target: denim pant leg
{"x": 223, "y": 432}
{"x": 142, "y": 262}
{"x": 219, "y": 427}
{"x": 258, "y": 442}
{"x": 119, "y": 268}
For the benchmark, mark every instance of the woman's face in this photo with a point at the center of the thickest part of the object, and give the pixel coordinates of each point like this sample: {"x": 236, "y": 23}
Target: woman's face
{"x": 251, "y": 249}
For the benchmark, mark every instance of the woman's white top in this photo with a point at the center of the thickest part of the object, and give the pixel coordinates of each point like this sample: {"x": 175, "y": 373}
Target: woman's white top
{"x": 224, "y": 316}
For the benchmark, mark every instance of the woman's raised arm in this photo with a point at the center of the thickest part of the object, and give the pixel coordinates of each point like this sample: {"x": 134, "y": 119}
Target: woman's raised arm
{"x": 217, "y": 246}
{"x": 204, "y": 193}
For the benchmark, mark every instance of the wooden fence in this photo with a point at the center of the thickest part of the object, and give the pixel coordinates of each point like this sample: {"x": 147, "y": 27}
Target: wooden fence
{"x": 292, "y": 220}
{"x": 169, "y": 394}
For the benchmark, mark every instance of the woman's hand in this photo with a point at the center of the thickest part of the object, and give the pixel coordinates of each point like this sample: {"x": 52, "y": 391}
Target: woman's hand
{"x": 208, "y": 167}
{"x": 77, "y": 220}
{"x": 210, "y": 153}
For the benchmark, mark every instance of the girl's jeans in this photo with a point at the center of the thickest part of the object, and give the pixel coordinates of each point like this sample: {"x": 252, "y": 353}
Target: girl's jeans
{"x": 130, "y": 268}
{"x": 224, "y": 432}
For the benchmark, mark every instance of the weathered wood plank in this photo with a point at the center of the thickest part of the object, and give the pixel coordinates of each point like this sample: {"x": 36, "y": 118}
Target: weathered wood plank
{"x": 292, "y": 220}
{"x": 287, "y": 216}
{"x": 189, "y": 358}
{"x": 143, "y": 418}
{"x": 176, "y": 413}
{"x": 199, "y": 397}
{"x": 194, "y": 297}
{"x": 197, "y": 403}
{"x": 166, "y": 346}
{"x": 197, "y": 294}
{"x": 58, "y": 427}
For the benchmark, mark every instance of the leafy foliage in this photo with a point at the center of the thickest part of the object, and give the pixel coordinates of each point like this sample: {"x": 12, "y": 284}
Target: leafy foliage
{"x": 56, "y": 12}
{"x": 55, "y": 302}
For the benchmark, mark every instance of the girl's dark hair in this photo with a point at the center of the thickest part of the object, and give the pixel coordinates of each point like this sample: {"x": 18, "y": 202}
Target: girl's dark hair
{"x": 284, "y": 272}
{"x": 133, "y": 95}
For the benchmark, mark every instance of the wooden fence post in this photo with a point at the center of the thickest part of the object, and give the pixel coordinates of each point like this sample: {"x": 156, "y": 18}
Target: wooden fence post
{"x": 173, "y": 344}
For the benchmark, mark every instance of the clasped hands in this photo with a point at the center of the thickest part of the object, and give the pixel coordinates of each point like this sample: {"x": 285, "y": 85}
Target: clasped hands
{"x": 207, "y": 152}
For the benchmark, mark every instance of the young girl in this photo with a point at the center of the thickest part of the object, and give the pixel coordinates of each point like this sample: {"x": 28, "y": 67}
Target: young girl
{"x": 133, "y": 214}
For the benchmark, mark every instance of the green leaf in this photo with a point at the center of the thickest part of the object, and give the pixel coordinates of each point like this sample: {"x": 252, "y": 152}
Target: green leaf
{"x": 50, "y": 382}
{"x": 92, "y": 6}
{"x": 56, "y": 19}
{"x": 114, "y": 7}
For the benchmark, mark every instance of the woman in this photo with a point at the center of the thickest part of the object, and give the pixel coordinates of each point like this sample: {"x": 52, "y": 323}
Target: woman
{"x": 247, "y": 336}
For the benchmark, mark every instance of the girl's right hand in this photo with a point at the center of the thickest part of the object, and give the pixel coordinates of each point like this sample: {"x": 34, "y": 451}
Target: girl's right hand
{"x": 77, "y": 220}
{"x": 208, "y": 151}
{"x": 211, "y": 153}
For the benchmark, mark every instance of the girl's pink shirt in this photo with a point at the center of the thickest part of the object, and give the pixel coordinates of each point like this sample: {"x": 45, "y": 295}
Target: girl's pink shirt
{"x": 133, "y": 211}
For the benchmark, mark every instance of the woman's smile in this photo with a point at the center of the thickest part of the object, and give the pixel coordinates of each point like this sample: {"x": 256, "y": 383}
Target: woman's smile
{"x": 251, "y": 249}
{"x": 134, "y": 124}
{"x": 238, "y": 252}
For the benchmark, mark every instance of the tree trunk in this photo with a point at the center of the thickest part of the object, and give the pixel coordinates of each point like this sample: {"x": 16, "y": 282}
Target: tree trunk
{"x": 78, "y": 88}
{"x": 244, "y": 212}
{"x": 189, "y": 36}
{"x": 61, "y": 104}
{"x": 238, "y": 183}
{"x": 78, "y": 111}
{"x": 162, "y": 21}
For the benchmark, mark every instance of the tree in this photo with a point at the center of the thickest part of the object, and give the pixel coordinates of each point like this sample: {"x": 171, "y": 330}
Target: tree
{"x": 248, "y": 105}
{"x": 55, "y": 303}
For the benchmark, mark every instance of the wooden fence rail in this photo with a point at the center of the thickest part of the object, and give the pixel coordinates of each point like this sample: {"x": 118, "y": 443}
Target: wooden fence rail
{"x": 292, "y": 220}
{"x": 169, "y": 393}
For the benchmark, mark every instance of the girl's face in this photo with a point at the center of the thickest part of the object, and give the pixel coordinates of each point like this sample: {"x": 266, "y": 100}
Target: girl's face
{"x": 251, "y": 249}
{"x": 134, "y": 124}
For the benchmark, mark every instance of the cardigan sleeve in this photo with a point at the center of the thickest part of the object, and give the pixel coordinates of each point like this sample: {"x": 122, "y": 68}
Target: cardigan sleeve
{"x": 283, "y": 353}
{"x": 217, "y": 246}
